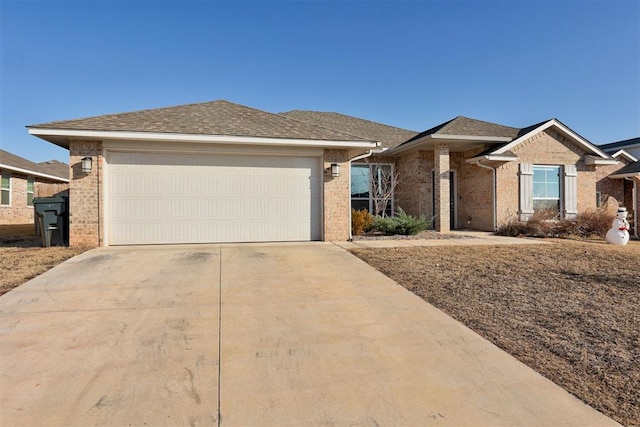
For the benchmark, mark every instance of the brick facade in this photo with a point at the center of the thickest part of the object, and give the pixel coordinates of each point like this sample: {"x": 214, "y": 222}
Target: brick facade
{"x": 545, "y": 148}
{"x": 18, "y": 212}
{"x": 86, "y": 217}
{"x": 337, "y": 200}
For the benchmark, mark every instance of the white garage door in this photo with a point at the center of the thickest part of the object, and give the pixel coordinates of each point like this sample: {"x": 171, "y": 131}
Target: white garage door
{"x": 158, "y": 198}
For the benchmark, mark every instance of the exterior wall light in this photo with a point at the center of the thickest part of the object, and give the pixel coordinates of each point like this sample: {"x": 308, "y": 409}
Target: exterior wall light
{"x": 86, "y": 164}
{"x": 335, "y": 170}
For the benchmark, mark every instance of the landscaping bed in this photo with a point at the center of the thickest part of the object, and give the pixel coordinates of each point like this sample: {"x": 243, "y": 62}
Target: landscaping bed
{"x": 568, "y": 309}
{"x": 22, "y": 258}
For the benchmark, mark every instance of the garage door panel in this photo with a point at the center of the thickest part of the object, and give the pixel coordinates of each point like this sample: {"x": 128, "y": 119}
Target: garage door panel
{"x": 166, "y": 198}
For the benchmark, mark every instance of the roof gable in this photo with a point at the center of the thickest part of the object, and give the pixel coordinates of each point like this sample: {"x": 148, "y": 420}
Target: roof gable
{"x": 530, "y": 131}
{"x": 57, "y": 171}
{"x": 388, "y": 136}
{"x": 208, "y": 118}
{"x": 465, "y": 127}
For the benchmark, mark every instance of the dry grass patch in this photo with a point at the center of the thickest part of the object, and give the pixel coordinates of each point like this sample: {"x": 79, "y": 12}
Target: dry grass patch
{"x": 22, "y": 258}
{"x": 567, "y": 309}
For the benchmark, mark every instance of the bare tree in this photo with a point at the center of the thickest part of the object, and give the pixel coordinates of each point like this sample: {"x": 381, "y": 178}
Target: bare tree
{"x": 383, "y": 184}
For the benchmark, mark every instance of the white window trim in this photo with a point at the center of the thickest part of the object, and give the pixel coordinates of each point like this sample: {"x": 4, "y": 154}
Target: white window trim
{"x": 32, "y": 192}
{"x": 10, "y": 189}
{"x": 370, "y": 199}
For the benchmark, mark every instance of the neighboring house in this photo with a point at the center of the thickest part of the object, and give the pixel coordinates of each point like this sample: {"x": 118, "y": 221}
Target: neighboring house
{"x": 622, "y": 180}
{"x": 222, "y": 172}
{"x": 23, "y": 180}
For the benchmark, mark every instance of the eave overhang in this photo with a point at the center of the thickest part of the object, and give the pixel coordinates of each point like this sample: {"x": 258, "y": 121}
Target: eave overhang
{"x": 61, "y": 137}
{"x": 458, "y": 142}
{"x": 598, "y": 161}
{"x": 625, "y": 154}
{"x": 625, "y": 175}
{"x": 33, "y": 173}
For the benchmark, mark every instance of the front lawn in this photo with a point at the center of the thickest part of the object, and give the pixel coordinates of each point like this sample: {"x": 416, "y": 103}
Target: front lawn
{"x": 22, "y": 258}
{"x": 569, "y": 309}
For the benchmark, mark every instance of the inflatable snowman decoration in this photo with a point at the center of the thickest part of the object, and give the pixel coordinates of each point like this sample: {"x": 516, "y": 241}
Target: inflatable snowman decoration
{"x": 618, "y": 234}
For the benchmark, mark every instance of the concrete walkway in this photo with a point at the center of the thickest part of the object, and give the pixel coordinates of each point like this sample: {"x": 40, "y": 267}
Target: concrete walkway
{"x": 252, "y": 335}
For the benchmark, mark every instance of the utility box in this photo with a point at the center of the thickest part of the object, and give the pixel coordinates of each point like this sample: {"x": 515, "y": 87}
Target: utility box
{"x": 52, "y": 217}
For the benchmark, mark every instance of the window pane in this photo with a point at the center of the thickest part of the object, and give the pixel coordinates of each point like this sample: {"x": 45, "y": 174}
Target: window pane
{"x": 29, "y": 199}
{"x": 5, "y": 197}
{"x": 539, "y": 189}
{"x": 360, "y": 181}
{"x": 543, "y": 205}
{"x": 360, "y": 204}
{"x": 546, "y": 188}
{"x": 6, "y": 180}
{"x": 30, "y": 185}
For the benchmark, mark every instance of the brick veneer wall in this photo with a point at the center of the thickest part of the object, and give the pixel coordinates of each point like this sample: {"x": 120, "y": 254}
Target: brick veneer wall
{"x": 611, "y": 187}
{"x": 18, "y": 212}
{"x": 545, "y": 148}
{"x": 337, "y": 197}
{"x": 413, "y": 191}
{"x": 86, "y": 211}
{"x": 475, "y": 193}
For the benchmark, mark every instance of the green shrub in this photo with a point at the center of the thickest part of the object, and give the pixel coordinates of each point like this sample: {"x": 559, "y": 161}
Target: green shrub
{"x": 361, "y": 221}
{"x": 402, "y": 223}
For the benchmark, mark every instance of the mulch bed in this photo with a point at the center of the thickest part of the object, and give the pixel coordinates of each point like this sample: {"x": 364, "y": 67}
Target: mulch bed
{"x": 426, "y": 235}
{"x": 569, "y": 310}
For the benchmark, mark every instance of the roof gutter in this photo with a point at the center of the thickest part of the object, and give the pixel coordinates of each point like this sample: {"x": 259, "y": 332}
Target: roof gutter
{"x": 492, "y": 158}
{"x": 33, "y": 173}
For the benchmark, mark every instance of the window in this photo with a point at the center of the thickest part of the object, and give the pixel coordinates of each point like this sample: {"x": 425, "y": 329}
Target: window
{"x": 546, "y": 188}
{"x": 372, "y": 188}
{"x": 30, "y": 185}
{"x": 5, "y": 189}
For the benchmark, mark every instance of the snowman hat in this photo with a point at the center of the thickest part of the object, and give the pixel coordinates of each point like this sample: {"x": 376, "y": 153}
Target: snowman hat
{"x": 622, "y": 210}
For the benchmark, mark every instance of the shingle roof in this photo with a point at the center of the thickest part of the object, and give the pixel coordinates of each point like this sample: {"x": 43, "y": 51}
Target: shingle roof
{"x": 208, "y": 118}
{"x": 388, "y": 136}
{"x": 470, "y": 127}
{"x": 614, "y": 146}
{"x": 57, "y": 169}
{"x": 628, "y": 169}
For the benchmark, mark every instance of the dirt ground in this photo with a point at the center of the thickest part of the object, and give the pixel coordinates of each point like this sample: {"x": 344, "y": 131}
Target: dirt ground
{"x": 568, "y": 309}
{"x": 22, "y": 257}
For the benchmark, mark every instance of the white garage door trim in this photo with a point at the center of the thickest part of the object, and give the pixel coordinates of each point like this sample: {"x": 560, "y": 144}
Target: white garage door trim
{"x": 244, "y": 198}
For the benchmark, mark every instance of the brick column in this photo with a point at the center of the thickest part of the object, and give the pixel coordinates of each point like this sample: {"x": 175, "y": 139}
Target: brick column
{"x": 337, "y": 197}
{"x": 442, "y": 191}
{"x": 85, "y": 213}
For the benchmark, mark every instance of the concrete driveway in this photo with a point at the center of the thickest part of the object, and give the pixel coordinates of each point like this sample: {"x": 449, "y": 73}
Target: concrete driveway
{"x": 244, "y": 335}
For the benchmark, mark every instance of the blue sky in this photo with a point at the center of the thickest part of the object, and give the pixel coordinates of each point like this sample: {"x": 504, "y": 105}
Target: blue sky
{"x": 408, "y": 64}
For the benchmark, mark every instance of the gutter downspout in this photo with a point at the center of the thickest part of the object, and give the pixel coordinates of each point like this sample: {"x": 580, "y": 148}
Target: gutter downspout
{"x": 360, "y": 157}
{"x": 634, "y": 200}
{"x": 493, "y": 193}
